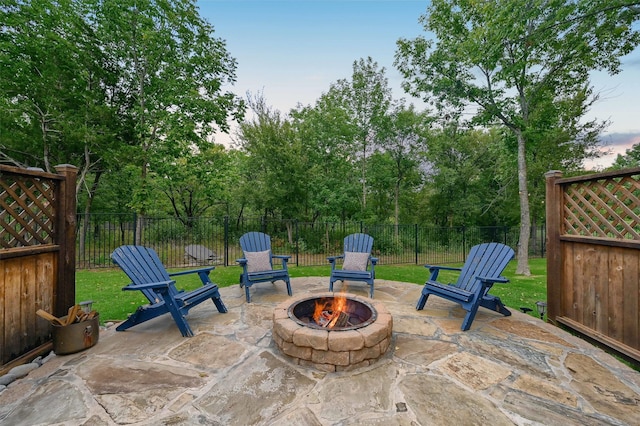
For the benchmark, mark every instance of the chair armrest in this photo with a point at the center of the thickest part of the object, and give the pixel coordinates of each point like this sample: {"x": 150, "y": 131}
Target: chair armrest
{"x": 242, "y": 261}
{"x": 334, "y": 258}
{"x": 443, "y": 268}
{"x": 160, "y": 284}
{"x": 373, "y": 260}
{"x": 193, "y": 271}
{"x": 492, "y": 280}
{"x": 435, "y": 270}
{"x": 283, "y": 258}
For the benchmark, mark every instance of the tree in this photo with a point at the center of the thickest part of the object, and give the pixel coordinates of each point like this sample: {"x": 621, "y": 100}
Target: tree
{"x": 171, "y": 75}
{"x": 511, "y": 58}
{"x": 464, "y": 185}
{"x": 631, "y": 158}
{"x": 52, "y": 81}
{"x": 404, "y": 141}
{"x": 275, "y": 177}
{"x": 366, "y": 99}
{"x": 194, "y": 183}
{"x": 326, "y": 136}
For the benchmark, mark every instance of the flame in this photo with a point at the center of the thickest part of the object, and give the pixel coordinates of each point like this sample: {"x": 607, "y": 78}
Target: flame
{"x": 321, "y": 306}
{"x": 328, "y": 309}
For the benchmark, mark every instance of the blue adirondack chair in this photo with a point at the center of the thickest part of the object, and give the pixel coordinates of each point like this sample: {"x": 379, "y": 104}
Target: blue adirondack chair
{"x": 482, "y": 269}
{"x": 357, "y": 263}
{"x": 257, "y": 263}
{"x": 147, "y": 273}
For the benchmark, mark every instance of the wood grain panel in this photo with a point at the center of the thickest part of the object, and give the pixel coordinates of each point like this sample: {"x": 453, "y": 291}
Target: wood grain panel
{"x": 566, "y": 293}
{"x": 28, "y": 302}
{"x": 46, "y": 273}
{"x": 631, "y": 295}
{"x": 616, "y": 271}
{"x": 3, "y": 347}
{"x": 601, "y": 291}
{"x": 12, "y": 307}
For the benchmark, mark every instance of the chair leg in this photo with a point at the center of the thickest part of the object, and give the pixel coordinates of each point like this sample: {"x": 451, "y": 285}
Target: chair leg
{"x": 371, "y": 290}
{"x": 247, "y": 294}
{"x": 217, "y": 300}
{"x": 495, "y": 304}
{"x": 471, "y": 314}
{"x": 331, "y": 284}
{"x": 422, "y": 301}
{"x": 134, "y": 319}
{"x": 179, "y": 319}
{"x": 288, "y": 282}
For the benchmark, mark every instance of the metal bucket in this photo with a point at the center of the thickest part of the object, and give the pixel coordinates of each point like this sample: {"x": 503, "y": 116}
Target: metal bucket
{"x": 75, "y": 337}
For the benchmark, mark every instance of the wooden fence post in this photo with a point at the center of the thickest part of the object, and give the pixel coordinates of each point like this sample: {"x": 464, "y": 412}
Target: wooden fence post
{"x": 65, "y": 293}
{"x": 554, "y": 216}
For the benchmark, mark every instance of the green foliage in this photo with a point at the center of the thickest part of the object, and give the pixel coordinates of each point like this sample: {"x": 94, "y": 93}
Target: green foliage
{"x": 133, "y": 92}
{"x": 274, "y": 177}
{"x": 103, "y": 85}
{"x": 524, "y": 64}
{"x": 158, "y": 230}
{"x": 331, "y": 186}
{"x": 50, "y": 79}
{"x": 462, "y": 176}
{"x": 631, "y": 158}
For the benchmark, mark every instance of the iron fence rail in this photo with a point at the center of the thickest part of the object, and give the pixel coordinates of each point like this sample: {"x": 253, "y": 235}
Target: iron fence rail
{"x": 307, "y": 243}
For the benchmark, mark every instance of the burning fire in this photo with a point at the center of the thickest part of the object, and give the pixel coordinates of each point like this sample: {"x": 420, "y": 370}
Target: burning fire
{"x": 328, "y": 311}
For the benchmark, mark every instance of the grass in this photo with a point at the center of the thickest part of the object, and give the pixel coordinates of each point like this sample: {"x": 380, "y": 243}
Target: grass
{"x": 104, "y": 286}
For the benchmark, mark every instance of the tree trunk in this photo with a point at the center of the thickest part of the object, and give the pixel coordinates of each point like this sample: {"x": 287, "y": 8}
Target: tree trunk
{"x": 364, "y": 179}
{"x": 397, "y": 208}
{"x": 525, "y": 215}
{"x": 87, "y": 210}
{"x": 142, "y": 210}
{"x": 289, "y": 225}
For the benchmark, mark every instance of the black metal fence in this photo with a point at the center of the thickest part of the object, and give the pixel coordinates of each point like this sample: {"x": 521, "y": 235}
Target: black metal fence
{"x": 309, "y": 244}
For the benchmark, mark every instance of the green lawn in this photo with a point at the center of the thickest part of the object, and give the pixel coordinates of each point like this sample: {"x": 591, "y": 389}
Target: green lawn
{"x": 104, "y": 286}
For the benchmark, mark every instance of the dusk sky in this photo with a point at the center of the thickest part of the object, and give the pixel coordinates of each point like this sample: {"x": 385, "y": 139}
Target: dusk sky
{"x": 292, "y": 51}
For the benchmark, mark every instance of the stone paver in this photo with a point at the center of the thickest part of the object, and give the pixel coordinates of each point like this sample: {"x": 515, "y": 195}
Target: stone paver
{"x": 504, "y": 371}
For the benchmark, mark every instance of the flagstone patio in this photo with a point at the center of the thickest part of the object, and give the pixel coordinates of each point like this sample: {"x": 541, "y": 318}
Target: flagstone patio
{"x": 504, "y": 371}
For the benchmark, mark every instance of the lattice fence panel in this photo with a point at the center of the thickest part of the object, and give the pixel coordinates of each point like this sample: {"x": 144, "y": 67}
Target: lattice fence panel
{"x": 27, "y": 217}
{"x": 605, "y": 208}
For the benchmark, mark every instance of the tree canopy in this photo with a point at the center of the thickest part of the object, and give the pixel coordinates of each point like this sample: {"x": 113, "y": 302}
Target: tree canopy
{"x": 522, "y": 64}
{"x": 133, "y": 92}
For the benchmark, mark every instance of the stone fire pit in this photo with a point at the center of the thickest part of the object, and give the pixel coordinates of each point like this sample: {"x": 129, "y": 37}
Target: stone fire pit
{"x": 354, "y": 346}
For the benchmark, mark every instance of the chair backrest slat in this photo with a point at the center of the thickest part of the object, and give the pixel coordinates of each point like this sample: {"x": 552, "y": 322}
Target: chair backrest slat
{"x": 488, "y": 260}
{"x": 360, "y": 243}
{"x": 143, "y": 266}
{"x": 256, "y": 241}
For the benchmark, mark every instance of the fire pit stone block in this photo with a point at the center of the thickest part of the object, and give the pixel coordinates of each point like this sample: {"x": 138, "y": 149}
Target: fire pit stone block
{"x": 330, "y": 357}
{"x": 350, "y": 340}
{"x": 296, "y": 352}
{"x": 285, "y": 329}
{"x": 375, "y": 333}
{"x": 310, "y": 337}
{"x": 365, "y": 354}
{"x": 329, "y": 368}
{"x": 280, "y": 312}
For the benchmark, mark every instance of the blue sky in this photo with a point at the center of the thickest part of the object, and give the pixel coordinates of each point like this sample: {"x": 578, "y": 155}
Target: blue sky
{"x": 292, "y": 51}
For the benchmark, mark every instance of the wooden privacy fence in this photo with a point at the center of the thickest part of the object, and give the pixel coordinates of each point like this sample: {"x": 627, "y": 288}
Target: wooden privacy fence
{"x": 593, "y": 256}
{"x": 37, "y": 256}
